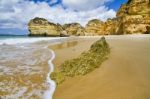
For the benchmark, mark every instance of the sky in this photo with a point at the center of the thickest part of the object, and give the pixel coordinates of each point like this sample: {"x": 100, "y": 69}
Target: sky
{"x": 15, "y": 14}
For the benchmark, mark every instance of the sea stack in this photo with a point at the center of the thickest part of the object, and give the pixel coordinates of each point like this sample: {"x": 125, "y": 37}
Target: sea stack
{"x": 41, "y": 27}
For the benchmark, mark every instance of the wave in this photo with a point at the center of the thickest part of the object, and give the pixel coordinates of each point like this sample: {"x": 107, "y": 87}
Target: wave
{"x": 13, "y": 41}
{"x": 51, "y": 84}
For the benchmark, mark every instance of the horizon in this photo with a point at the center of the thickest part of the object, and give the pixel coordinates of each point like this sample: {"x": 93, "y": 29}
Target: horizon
{"x": 17, "y": 13}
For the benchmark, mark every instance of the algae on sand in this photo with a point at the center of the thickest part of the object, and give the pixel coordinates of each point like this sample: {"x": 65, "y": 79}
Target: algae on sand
{"x": 85, "y": 63}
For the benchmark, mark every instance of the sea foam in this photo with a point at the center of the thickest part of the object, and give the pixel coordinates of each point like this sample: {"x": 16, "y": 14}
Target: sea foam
{"x": 13, "y": 41}
{"x": 51, "y": 84}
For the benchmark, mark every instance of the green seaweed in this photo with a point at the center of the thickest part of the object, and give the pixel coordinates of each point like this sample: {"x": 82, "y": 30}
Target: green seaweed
{"x": 85, "y": 63}
{"x": 58, "y": 77}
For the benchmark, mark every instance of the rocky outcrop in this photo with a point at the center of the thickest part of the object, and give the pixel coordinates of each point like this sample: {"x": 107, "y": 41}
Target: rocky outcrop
{"x": 74, "y": 29}
{"x": 94, "y": 27}
{"x": 113, "y": 27}
{"x": 85, "y": 63}
{"x": 135, "y": 16}
{"x": 97, "y": 27}
{"x": 132, "y": 17}
{"x": 41, "y": 27}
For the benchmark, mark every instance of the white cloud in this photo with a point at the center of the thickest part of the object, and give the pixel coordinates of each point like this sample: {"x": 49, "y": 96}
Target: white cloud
{"x": 19, "y": 12}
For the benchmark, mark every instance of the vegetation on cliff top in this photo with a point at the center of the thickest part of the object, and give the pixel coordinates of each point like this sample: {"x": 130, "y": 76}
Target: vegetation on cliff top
{"x": 85, "y": 63}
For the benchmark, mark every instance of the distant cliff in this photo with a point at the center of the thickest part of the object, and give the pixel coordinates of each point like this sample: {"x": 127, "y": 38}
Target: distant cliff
{"x": 41, "y": 27}
{"x": 132, "y": 17}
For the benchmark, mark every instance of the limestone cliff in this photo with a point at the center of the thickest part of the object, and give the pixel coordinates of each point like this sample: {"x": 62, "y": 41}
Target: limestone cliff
{"x": 132, "y": 17}
{"x": 41, "y": 27}
{"x": 94, "y": 27}
{"x": 135, "y": 16}
{"x": 74, "y": 29}
{"x": 113, "y": 27}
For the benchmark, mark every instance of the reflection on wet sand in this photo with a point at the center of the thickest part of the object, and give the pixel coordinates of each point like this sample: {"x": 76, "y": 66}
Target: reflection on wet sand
{"x": 64, "y": 45}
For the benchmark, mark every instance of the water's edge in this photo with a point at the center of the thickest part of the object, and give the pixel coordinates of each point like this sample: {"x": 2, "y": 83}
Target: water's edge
{"x": 51, "y": 84}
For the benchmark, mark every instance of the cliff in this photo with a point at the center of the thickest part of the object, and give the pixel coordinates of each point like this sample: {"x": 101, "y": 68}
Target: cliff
{"x": 74, "y": 29}
{"x": 132, "y": 17}
{"x": 94, "y": 27}
{"x": 135, "y": 16}
{"x": 41, "y": 27}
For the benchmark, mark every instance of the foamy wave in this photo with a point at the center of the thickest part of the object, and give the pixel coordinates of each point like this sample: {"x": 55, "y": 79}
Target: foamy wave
{"x": 52, "y": 85}
{"x": 13, "y": 41}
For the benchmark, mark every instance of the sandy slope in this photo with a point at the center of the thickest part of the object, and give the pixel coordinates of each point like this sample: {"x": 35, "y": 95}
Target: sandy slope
{"x": 125, "y": 75}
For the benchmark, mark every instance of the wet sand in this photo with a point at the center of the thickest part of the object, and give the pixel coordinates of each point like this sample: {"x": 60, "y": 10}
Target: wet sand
{"x": 125, "y": 75}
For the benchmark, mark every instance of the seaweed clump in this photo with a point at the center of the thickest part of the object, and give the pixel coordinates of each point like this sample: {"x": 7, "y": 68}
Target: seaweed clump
{"x": 83, "y": 64}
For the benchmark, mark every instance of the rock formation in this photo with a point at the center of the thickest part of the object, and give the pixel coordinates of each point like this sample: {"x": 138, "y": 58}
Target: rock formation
{"x": 94, "y": 27}
{"x": 132, "y": 17}
{"x": 41, "y": 27}
{"x": 74, "y": 29}
{"x": 87, "y": 62}
{"x": 148, "y": 30}
{"x": 113, "y": 27}
{"x": 135, "y": 16}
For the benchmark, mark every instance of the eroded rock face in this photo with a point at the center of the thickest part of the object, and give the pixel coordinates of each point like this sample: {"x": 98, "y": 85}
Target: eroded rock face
{"x": 148, "y": 30}
{"x": 94, "y": 27}
{"x": 135, "y": 16}
{"x": 41, "y": 27}
{"x": 113, "y": 27}
{"x": 110, "y": 27}
{"x": 136, "y": 23}
{"x": 74, "y": 29}
{"x": 122, "y": 11}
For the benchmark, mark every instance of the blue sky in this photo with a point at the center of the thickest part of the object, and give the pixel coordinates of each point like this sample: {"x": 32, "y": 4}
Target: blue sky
{"x": 15, "y": 14}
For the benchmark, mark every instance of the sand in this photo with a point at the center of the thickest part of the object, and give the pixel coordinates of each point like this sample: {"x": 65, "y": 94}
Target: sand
{"x": 125, "y": 75}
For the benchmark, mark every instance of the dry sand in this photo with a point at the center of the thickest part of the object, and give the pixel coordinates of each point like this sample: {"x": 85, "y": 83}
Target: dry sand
{"x": 125, "y": 75}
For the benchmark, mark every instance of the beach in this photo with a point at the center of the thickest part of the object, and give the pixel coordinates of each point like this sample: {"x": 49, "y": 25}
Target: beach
{"x": 124, "y": 75}
{"x": 27, "y": 63}
{"x": 75, "y": 49}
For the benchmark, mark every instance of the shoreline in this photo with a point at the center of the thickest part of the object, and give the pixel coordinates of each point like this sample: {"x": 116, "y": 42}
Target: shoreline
{"x": 126, "y": 67}
{"x": 122, "y": 48}
{"x": 48, "y": 94}
{"x": 23, "y": 40}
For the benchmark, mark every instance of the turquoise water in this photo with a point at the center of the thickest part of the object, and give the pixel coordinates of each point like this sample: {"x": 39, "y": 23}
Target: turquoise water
{"x": 9, "y": 40}
{"x": 16, "y": 36}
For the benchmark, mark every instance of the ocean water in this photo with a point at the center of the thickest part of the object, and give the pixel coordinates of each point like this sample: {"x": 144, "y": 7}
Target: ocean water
{"x": 25, "y": 66}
